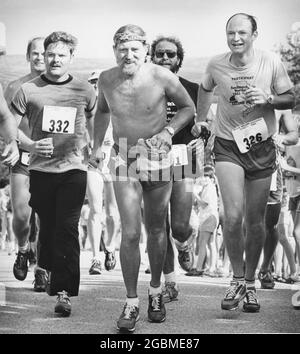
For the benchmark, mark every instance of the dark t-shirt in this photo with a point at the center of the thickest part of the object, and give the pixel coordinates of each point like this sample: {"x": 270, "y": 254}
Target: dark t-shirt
{"x": 184, "y": 136}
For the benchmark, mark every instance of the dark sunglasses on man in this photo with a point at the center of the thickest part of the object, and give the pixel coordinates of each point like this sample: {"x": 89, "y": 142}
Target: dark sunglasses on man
{"x": 170, "y": 54}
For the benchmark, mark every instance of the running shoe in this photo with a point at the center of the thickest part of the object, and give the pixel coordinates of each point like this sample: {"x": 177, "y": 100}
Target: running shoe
{"x": 193, "y": 272}
{"x": 234, "y": 294}
{"x": 20, "y": 268}
{"x": 128, "y": 318}
{"x": 156, "y": 308}
{"x": 186, "y": 258}
{"x": 266, "y": 280}
{"x": 110, "y": 260}
{"x": 293, "y": 278}
{"x": 95, "y": 267}
{"x": 40, "y": 280}
{"x": 251, "y": 303}
{"x": 170, "y": 292}
{"x": 63, "y": 304}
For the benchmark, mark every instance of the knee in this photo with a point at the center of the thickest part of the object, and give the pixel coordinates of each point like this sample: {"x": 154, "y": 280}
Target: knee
{"x": 156, "y": 233}
{"x": 180, "y": 230}
{"x": 21, "y": 218}
{"x": 130, "y": 238}
{"x": 233, "y": 220}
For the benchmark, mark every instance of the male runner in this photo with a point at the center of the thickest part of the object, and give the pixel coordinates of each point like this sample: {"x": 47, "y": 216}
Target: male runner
{"x": 134, "y": 96}
{"x": 19, "y": 178}
{"x": 59, "y": 108}
{"x": 252, "y": 84}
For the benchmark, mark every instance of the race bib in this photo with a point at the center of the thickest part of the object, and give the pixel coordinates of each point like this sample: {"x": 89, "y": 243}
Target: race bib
{"x": 251, "y": 133}
{"x": 60, "y": 120}
{"x": 180, "y": 156}
{"x": 25, "y": 158}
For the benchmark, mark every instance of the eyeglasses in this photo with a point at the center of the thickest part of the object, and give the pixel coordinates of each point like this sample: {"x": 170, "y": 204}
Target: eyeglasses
{"x": 161, "y": 54}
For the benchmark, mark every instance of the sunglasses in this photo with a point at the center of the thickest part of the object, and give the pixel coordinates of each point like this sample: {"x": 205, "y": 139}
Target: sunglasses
{"x": 161, "y": 54}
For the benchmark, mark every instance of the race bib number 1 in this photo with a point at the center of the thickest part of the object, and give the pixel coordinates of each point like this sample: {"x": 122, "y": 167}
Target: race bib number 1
{"x": 251, "y": 133}
{"x": 59, "y": 119}
{"x": 180, "y": 157}
{"x": 25, "y": 158}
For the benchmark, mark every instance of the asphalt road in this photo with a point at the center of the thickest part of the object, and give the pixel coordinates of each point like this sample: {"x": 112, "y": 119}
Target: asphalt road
{"x": 101, "y": 300}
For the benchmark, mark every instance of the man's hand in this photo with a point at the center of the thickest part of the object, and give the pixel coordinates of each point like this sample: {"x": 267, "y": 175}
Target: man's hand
{"x": 279, "y": 141}
{"x": 161, "y": 141}
{"x": 96, "y": 159}
{"x": 256, "y": 95}
{"x": 11, "y": 154}
{"x": 42, "y": 148}
{"x": 200, "y": 130}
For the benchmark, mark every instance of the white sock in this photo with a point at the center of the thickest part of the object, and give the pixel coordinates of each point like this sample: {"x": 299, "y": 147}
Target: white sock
{"x": 132, "y": 301}
{"x": 24, "y": 249}
{"x": 170, "y": 278}
{"x": 110, "y": 249}
{"x": 181, "y": 246}
{"x": 154, "y": 291}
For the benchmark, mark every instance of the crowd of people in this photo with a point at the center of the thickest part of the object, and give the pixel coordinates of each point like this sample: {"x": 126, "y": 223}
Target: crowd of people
{"x": 211, "y": 178}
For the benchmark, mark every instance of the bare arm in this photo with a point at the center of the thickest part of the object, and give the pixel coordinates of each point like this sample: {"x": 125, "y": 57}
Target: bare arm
{"x": 282, "y": 101}
{"x": 285, "y": 166}
{"x": 185, "y": 106}
{"x": 43, "y": 147}
{"x": 8, "y": 125}
{"x": 291, "y": 136}
{"x": 101, "y": 122}
{"x": 185, "y": 109}
{"x": 204, "y": 101}
{"x": 9, "y": 132}
{"x": 102, "y": 119}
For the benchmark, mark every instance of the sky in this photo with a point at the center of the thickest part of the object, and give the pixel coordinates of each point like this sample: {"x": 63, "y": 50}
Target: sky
{"x": 199, "y": 24}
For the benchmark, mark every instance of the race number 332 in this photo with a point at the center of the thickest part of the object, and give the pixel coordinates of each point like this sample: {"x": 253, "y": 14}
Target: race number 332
{"x": 60, "y": 120}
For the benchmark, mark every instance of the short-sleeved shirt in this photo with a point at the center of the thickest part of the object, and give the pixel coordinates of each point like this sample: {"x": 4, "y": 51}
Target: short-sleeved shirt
{"x": 266, "y": 71}
{"x": 57, "y": 110}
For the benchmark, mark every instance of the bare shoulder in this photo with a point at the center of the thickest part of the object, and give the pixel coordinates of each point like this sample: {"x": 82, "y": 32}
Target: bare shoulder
{"x": 163, "y": 75}
{"x": 108, "y": 76}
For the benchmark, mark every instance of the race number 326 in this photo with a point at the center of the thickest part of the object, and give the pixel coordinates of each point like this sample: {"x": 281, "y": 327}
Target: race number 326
{"x": 251, "y": 140}
{"x": 60, "y": 120}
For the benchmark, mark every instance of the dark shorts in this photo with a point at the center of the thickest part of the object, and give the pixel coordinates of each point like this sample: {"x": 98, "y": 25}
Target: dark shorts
{"x": 19, "y": 168}
{"x": 126, "y": 168}
{"x": 272, "y": 214}
{"x": 294, "y": 204}
{"x": 259, "y": 162}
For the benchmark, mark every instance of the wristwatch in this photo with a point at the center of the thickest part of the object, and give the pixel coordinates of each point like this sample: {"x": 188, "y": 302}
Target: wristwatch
{"x": 270, "y": 99}
{"x": 170, "y": 130}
